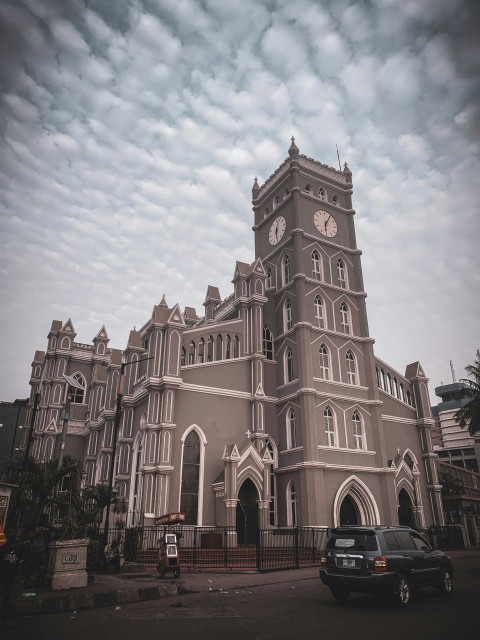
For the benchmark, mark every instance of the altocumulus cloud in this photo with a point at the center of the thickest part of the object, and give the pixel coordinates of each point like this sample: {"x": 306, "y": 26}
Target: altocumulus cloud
{"x": 131, "y": 133}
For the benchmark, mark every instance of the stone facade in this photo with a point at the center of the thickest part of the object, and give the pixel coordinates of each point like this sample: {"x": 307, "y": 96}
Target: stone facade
{"x": 271, "y": 409}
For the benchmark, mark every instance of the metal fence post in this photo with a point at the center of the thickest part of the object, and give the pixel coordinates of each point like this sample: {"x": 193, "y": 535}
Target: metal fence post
{"x": 295, "y": 539}
{"x": 258, "y": 550}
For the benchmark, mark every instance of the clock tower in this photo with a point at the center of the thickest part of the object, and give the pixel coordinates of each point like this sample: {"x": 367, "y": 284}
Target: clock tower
{"x": 322, "y": 369}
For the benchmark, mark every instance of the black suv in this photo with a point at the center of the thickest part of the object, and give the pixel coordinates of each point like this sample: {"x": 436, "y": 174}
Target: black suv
{"x": 383, "y": 559}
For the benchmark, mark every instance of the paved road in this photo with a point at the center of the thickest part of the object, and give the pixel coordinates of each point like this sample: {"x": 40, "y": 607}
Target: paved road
{"x": 303, "y": 609}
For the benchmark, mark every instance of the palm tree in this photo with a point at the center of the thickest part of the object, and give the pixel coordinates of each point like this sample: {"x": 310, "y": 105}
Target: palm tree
{"x": 469, "y": 415}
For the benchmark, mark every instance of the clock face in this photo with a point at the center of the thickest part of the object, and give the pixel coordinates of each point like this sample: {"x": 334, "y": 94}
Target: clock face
{"x": 325, "y": 223}
{"x": 277, "y": 230}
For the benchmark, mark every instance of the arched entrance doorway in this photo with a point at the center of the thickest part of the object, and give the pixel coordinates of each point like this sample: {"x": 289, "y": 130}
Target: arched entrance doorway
{"x": 247, "y": 513}
{"x": 348, "y": 512}
{"x": 405, "y": 510}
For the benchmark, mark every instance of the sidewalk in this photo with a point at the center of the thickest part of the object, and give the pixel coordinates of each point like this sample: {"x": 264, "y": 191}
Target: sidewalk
{"x": 137, "y": 584}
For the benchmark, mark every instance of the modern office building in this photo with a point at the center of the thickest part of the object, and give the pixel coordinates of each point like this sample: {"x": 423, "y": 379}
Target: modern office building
{"x": 452, "y": 444}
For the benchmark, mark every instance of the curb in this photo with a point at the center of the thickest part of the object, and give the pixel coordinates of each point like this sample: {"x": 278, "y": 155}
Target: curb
{"x": 86, "y": 600}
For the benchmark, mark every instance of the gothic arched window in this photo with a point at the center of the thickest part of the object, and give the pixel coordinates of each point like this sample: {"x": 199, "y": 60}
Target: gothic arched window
{"x": 344, "y": 318}
{"x": 329, "y": 425}
{"x": 351, "y": 368}
{"x": 318, "y": 310}
{"x": 269, "y": 279}
{"x": 289, "y": 365}
{"x": 210, "y": 349}
{"x": 219, "y": 350}
{"x": 357, "y": 430}
{"x": 286, "y": 270}
{"x": 201, "y": 351}
{"x": 292, "y": 505}
{"x": 287, "y": 315}
{"x": 316, "y": 265}
{"x": 267, "y": 343}
{"x": 78, "y": 395}
{"x": 342, "y": 274}
{"x": 324, "y": 362}
{"x": 190, "y": 478}
{"x": 191, "y": 353}
{"x": 291, "y": 430}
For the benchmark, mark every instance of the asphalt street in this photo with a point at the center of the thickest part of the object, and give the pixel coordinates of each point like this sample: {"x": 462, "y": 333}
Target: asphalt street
{"x": 299, "y": 609}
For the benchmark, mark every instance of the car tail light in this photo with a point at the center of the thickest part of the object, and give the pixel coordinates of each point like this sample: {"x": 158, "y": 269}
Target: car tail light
{"x": 323, "y": 559}
{"x": 380, "y": 564}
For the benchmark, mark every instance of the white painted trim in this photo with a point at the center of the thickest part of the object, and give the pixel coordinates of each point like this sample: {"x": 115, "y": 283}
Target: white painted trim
{"x": 347, "y": 450}
{"x": 365, "y": 501}
{"x": 334, "y": 467}
{"x": 197, "y": 388}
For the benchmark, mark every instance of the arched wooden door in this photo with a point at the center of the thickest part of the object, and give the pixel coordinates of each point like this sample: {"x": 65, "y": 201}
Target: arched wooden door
{"x": 406, "y": 517}
{"x": 349, "y": 512}
{"x": 247, "y": 513}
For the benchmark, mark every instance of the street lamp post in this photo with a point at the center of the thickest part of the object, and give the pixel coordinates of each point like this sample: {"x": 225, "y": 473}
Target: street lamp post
{"x": 116, "y": 427}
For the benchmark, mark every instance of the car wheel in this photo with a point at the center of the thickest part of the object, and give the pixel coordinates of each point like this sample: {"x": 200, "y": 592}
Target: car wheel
{"x": 340, "y": 595}
{"x": 445, "y": 586}
{"x": 401, "y": 592}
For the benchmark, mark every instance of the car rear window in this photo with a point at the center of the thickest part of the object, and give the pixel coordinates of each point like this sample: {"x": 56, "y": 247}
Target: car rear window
{"x": 353, "y": 541}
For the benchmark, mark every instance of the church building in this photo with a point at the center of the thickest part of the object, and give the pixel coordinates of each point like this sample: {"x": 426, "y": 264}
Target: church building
{"x": 271, "y": 409}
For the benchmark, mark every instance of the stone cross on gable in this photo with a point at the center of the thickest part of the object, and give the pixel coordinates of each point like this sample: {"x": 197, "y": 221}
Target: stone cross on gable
{"x": 398, "y": 450}
{"x": 249, "y": 434}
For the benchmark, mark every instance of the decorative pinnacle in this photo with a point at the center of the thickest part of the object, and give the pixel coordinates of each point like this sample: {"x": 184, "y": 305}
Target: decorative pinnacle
{"x": 255, "y": 188}
{"x": 293, "y": 151}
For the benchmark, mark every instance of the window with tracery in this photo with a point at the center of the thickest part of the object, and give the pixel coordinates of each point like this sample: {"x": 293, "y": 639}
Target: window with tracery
{"x": 324, "y": 362}
{"x": 344, "y": 318}
{"x": 291, "y": 430}
{"x": 341, "y": 274}
{"x": 351, "y": 368}
{"x": 289, "y": 376}
{"x": 329, "y": 425}
{"x": 357, "y": 431}
{"x": 77, "y": 396}
{"x": 316, "y": 265}
{"x": 318, "y": 311}
{"x": 286, "y": 270}
{"x": 267, "y": 343}
{"x": 190, "y": 478}
{"x": 287, "y": 315}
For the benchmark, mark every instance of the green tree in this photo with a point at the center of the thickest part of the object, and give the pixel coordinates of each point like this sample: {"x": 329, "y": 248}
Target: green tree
{"x": 468, "y": 416}
{"x": 450, "y": 486}
{"x": 45, "y": 488}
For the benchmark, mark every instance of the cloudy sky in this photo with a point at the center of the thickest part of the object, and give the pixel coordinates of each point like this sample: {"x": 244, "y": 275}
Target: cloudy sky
{"x": 131, "y": 132}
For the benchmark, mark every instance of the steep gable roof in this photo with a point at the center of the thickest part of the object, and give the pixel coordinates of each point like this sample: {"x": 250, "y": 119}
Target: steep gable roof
{"x": 213, "y": 294}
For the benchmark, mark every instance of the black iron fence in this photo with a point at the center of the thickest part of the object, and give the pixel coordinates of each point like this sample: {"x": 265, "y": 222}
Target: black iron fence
{"x": 220, "y": 547}
{"x": 270, "y": 550}
{"x": 445, "y": 537}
